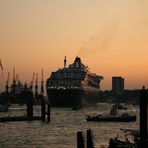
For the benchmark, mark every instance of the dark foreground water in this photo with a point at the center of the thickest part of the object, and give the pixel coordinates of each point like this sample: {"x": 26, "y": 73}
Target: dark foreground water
{"x": 62, "y": 130}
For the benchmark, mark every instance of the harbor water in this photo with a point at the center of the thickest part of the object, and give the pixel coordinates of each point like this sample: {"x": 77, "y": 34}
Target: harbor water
{"x": 61, "y": 132}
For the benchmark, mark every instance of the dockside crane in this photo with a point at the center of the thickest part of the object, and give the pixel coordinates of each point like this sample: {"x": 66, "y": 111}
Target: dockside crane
{"x": 16, "y": 79}
{"x": 31, "y": 84}
{"x": 14, "y": 82}
{"x": 7, "y": 83}
{"x": 1, "y": 65}
{"x": 42, "y": 83}
{"x": 36, "y": 88}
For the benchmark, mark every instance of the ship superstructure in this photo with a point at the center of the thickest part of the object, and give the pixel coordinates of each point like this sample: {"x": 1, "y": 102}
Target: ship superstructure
{"x": 73, "y": 85}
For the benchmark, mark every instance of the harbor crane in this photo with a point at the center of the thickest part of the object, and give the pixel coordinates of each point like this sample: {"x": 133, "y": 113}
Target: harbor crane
{"x": 42, "y": 83}
{"x": 1, "y": 65}
{"x": 31, "y": 84}
{"x": 7, "y": 83}
{"x": 36, "y": 88}
{"x": 14, "y": 82}
{"x": 16, "y": 79}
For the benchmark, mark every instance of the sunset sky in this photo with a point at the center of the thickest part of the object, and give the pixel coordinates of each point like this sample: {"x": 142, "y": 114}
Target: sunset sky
{"x": 111, "y": 37}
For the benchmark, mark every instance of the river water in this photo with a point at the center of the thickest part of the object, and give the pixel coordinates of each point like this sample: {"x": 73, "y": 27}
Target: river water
{"x": 61, "y": 132}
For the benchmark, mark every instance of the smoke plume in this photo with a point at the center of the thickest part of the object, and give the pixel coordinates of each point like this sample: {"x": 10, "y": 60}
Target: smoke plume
{"x": 126, "y": 26}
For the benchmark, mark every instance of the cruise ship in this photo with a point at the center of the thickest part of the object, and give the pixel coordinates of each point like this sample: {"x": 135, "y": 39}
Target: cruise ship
{"x": 73, "y": 86}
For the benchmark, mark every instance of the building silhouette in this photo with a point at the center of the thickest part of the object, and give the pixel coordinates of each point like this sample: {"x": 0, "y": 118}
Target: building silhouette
{"x": 117, "y": 85}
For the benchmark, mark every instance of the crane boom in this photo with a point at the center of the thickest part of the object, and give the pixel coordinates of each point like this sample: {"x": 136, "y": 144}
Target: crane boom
{"x": 1, "y": 65}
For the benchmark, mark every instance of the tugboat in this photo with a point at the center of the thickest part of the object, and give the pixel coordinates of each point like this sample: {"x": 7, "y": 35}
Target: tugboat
{"x": 113, "y": 116}
{"x": 116, "y": 143}
{"x": 120, "y": 106}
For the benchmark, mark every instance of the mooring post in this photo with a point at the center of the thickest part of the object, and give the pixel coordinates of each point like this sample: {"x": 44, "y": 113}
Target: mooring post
{"x": 143, "y": 118}
{"x": 43, "y": 107}
{"x": 29, "y": 96}
{"x": 80, "y": 140}
{"x": 48, "y": 113}
{"x": 89, "y": 139}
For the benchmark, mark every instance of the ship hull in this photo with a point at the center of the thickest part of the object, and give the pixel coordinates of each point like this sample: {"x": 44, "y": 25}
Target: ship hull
{"x": 72, "y": 97}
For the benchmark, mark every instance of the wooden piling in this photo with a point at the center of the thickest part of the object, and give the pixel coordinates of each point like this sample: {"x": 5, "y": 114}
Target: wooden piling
{"x": 29, "y": 95}
{"x": 43, "y": 107}
{"x": 89, "y": 139}
{"x": 80, "y": 140}
{"x": 48, "y": 113}
{"x": 143, "y": 118}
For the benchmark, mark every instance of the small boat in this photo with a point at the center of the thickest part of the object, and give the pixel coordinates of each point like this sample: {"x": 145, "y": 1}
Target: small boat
{"x": 115, "y": 143}
{"x": 120, "y": 106}
{"x": 136, "y": 135}
{"x": 113, "y": 116}
{"x": 109, "y": 118}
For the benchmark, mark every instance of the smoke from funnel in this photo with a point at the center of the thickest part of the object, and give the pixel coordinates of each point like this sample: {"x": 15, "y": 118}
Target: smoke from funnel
{"x": 100, "y": 42}
{"x": 123, "y": 30}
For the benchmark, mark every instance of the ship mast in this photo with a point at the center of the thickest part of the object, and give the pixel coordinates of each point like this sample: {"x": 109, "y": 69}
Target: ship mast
{"x": 65, "y": 62}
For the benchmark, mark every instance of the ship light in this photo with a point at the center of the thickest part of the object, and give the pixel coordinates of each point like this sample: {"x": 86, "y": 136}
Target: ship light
{"x": 63, "y": 87}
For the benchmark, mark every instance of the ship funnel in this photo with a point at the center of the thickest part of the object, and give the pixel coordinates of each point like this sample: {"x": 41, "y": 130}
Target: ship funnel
{"x": 65, "y": 61}
{"x": 77, "y": 62}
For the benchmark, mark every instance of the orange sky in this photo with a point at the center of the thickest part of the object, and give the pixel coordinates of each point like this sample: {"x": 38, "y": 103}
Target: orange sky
{"x": 111, "y": 37}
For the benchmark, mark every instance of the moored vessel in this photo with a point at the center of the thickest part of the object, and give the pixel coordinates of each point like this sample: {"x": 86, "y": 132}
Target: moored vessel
{"x": 109, "y": 118}
{"x": 74, "y": 85}
{"x": 113, "y": 116}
